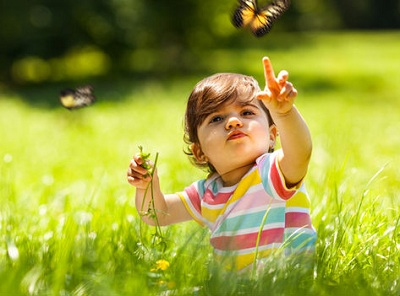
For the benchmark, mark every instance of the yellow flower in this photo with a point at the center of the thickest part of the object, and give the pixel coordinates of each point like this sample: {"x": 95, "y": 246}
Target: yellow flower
{"x": 162, "y": 264}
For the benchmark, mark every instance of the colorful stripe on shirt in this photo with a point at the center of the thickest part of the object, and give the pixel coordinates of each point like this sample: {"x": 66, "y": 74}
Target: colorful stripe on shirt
{"x": 234, "y": 214}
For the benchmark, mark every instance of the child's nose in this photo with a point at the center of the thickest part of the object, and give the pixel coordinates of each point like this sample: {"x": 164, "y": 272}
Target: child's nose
{"x": 233, "y": 122}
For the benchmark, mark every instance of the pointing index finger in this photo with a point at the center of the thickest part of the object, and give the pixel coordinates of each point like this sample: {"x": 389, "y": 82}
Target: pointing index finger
{"x": 269, "y": 74}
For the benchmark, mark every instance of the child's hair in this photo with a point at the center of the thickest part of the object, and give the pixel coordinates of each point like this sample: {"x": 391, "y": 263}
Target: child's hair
{"x": 207, "y": 96}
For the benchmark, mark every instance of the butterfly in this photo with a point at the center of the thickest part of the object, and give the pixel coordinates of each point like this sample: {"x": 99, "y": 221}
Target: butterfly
{"x": 259, "y": 20}
{"x": 77, "y": 98}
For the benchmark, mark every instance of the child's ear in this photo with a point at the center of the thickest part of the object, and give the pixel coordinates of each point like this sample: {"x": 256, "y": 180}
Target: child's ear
{"x": 198, "y": 153}
{"x": 273, "y": 133}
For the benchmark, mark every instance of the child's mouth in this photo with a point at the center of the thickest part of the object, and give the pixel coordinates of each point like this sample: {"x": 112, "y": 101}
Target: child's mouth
{"x": 235, "y": 135}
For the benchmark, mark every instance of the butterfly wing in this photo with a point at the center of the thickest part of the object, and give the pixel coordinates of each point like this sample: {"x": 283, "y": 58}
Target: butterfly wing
{"x": 244, "y": 15}
{"x": 85, "y": 95}
{"x": 268, "y": 15}
{"x": 67, "y": 98}
{"x": 260, "y": 21}
{"x": 74, "y": 99}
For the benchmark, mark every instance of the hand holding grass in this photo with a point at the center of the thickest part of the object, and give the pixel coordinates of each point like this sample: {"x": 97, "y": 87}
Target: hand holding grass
{"x": 140, "y": 174}
{"x": 140, "y": 170}
{"x": 154, "y": 207}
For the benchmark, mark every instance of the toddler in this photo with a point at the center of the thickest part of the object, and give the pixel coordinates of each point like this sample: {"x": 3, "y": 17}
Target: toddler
{"x": 231, "y": 127}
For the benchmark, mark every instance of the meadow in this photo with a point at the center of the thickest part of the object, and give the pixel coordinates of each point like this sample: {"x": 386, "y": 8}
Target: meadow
{"x": 68, "y": 225}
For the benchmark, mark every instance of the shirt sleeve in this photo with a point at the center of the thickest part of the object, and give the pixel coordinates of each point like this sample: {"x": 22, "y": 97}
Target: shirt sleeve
{"x": 191, "y": 198}
{"x": 272, "y": 177}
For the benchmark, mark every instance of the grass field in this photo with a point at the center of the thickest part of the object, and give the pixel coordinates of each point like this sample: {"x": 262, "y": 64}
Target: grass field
{"x": 68, "y": 225}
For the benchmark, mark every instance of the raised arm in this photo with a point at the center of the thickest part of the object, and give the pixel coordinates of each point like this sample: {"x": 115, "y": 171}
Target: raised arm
{"x": 169, "y": 208}
{"x": 278, "y": 96}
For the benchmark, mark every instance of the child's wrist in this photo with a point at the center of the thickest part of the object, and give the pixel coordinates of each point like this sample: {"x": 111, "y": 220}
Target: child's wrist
{"x": 279, "y": 115}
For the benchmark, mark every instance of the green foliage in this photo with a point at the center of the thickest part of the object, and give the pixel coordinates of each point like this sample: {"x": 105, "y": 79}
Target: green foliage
{"x": 67, "y": 219}
{"x": 158, "y": 239}
{"x": 43, "y": 41}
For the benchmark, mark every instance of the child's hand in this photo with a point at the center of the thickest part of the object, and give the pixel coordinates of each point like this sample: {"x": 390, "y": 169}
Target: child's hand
{"x": 279, "y": 94}
{"x": 139, "y": 172}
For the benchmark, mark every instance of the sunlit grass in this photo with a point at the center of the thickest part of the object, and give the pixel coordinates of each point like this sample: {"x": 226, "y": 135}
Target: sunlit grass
{"x": 68, "y": 225}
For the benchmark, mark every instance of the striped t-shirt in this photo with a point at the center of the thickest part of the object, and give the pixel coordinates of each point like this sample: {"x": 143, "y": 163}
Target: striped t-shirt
{"x": 234, "y": 214}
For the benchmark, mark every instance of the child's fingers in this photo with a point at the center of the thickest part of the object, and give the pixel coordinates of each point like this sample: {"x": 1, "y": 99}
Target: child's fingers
{"x": 135, "y": 175}
{"x": 274, "y": 85}
{"x": 139, "y": 183}
{"x": 136, "y": 165}
{"x": 264, "y": 96}
{"x": 288, "y": 92}
{"x": 138, "y": 159}
{"x": 293, "y": 93}
{"x": 139, "y": 180}
{"x": 286, "y": 89}
{"x": 282, "y": 78}
{"x": 269, "y": 74}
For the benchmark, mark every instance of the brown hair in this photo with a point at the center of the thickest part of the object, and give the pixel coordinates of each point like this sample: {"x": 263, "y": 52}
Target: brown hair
{"x": 207, "y": 96}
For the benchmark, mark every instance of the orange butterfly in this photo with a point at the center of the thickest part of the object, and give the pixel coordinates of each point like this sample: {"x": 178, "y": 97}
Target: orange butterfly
{"x": 259, "y": 20}
{"x": 77, "y": 98}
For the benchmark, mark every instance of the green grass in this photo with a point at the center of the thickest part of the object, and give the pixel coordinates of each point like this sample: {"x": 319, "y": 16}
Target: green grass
{"x": 68, "y": 225}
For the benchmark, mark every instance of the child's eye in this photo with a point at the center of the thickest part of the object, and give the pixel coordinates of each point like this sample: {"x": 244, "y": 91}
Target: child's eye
{"x": 216, "y": 118}
{"x": 248, "y": 113}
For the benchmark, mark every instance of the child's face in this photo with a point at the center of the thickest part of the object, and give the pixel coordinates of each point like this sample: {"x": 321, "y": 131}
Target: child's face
{"x": 234, "y": 135}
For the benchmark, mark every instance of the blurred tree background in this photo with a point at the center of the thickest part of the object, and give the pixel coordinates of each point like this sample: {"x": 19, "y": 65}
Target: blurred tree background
{"x": 49, "y": 40}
